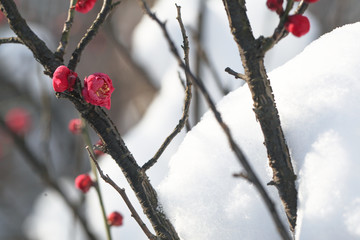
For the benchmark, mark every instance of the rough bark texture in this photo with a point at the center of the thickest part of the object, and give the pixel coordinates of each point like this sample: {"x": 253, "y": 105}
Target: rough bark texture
{"x": 136, "y": 177}
{"x": 265, "y": 109}
{"x": 100, "y": 122}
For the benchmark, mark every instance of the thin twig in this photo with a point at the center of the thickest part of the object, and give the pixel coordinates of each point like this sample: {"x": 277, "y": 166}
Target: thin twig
{"x": 280, "y": 31}
{"x": 188, "y": 94}
{"x": 122, "y": 193}
{"x": 91, "y": 32}
{"x": 86, "y": 137}
{"x": 242, "y": 175}
{"x": 60, "y": 51}
{"x": 10, "y": 40}
{"x": 235, "y": 74}
{"x": 183, "y": 84}
{"x": 41, "y": 171}
{"x": 234, "y": 146}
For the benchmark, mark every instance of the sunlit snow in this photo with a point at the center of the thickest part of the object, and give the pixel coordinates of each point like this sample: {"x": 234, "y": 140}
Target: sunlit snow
{"x": 317, "y": 95}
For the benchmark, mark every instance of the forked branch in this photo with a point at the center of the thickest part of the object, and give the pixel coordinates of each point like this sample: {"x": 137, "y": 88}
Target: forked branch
{"x": 252, "y": 53}
{"x": 234, "y": 146}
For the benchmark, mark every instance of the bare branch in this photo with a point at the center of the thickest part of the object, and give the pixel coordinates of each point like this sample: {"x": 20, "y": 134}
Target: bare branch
{"x": 122, "y": 193}
{"x": 242, "y": 175}
{"x": 91, "y": 32}
{"x": 60, "y": 51}
{"x": 280, "y": 31}
{"x": 252, "y": 53}
{"x": 177, "y": 129}
{"x": 235, "y": 74}
{"x": 10, "y": 40}
{"x": 234, "y": 146}
{"x": 187, "y": 100}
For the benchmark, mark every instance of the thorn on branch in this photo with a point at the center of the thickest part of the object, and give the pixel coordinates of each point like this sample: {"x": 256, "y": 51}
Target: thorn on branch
{"x": 271, "y": 183}
{"x": 243, "y": 175}
{"x": 235, "y": 74}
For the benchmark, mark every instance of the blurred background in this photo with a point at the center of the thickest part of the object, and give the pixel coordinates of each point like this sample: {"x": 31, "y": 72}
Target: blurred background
{"x": 24, "y": 87}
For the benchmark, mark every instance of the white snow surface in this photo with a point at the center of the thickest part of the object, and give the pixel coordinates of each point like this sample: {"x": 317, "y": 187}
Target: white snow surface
{"x": 317, "y": 95}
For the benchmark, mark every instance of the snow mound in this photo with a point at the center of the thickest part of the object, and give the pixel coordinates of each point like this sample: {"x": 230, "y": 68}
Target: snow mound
{"x": 317, "y": 94}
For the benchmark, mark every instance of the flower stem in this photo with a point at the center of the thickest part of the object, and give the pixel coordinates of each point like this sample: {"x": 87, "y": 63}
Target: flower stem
{"x": 86, "y": 137}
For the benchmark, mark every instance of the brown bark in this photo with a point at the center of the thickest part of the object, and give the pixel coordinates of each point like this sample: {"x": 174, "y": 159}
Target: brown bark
{"x": 252, "y": 56}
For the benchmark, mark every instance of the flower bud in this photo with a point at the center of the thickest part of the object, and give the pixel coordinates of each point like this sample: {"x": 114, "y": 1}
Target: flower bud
{"x": 83, "y": 182}
{"x": 64, "y": 79}
{"x": 274, "y": 5}
{"x": 297, "y": 24}
{"x": 84, "y": 6}
{"x": 75, "y": 126}
{"x": 115, "y": 219}
{"x": 18, "y": 120}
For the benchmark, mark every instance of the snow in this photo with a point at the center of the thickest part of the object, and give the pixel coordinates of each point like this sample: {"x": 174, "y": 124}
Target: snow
{"x": 317, "y": 94}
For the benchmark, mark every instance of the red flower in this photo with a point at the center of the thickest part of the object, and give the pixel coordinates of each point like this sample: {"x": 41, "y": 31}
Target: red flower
{"x": 75, "y": 126}
{"x": 115, "y": 219}
{"x": 297, "y": 24}
{"x": 98, "y": 89}
{"x": 274, "y": 5}
{"x": 64, "y": 79}
{"x": 83, "y": 182}
{"x": 18, "y": 120}
{"x": 84, "y": 6}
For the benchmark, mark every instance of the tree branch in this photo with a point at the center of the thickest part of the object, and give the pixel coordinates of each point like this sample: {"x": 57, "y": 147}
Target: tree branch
{"x": 280, "y": 31}
{"x": 188, "y": 94}
{"x": 236, "y": 149}
{"x": 41, "y": 52}
{"x": 91, "y": 32}
{"x": 10, "y": 40}
{"x": 252, "y": 55}
{"x": 60, "y": 51}
{"x": 137, "y": 178}
{"x": 235, "y": 74}
{"x": 122, "y": 193}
